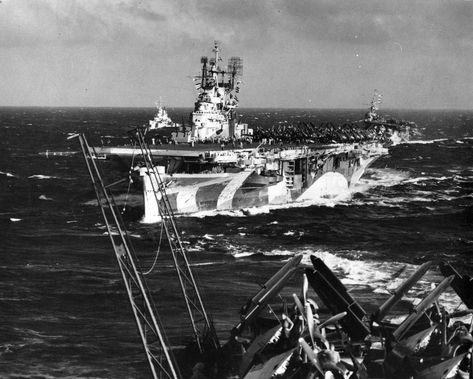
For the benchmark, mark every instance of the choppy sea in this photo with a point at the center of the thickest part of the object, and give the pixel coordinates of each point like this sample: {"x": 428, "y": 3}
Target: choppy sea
{"x": 63, "y": 309}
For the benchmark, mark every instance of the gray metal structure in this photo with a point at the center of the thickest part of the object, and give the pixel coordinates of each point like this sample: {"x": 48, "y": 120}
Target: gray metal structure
{"x": 202, "y": 325}
{"x": 158, "y": 353}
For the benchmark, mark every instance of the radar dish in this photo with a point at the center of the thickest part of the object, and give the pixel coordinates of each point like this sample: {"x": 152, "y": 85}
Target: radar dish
{"x": 212, "y": 61}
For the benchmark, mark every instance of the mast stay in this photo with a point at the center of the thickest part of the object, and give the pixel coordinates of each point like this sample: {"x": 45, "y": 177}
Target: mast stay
{"x": 202, "y": 325}
{"x": 146, "y": 316}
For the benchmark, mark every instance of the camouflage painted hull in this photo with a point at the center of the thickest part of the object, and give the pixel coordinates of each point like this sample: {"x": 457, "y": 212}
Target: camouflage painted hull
{"x": 304, "y": 176}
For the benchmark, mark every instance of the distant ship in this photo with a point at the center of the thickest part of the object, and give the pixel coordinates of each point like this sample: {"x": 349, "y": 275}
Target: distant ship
{"x": 161, "y": 119}
{"x": 217, "y": 163}
{"x": 398, "y": 130}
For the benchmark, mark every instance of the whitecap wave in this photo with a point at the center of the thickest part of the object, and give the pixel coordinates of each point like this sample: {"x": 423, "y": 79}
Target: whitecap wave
{"x": 354, "y": 271}
{"x": 279, "y": 253}
{"x": 414, "y": 197}
{"x": 113, "y": 233}
{"x": 208, "y": 237}
{"x": 195, "y": 249}
{"x": 242, "y": 254}
{"x": 213, "y": 213}
{"x": 382, "y": 277}
{"x": 462, "y": 178}
{"x": 48, "y": 153}
{"x": 427, "y": 178}
{"x": 204, "y": 264}
{"x": 377, "y": 177}
{"x": 8, "y": 174}
{"x": 426, "y": 142}
{"x": 44, "y": 197}
{"x": 41, "y": 177}
{"x": 376, "y": 201}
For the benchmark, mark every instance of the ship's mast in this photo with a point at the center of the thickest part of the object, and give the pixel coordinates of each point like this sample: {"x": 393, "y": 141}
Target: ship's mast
{"x": 203, "y": 82}
{"x": 376, "y": 101}
{"x": 146, "y": 316}
{"x": 217, "y": 70}
{"x": 202, "y": 325}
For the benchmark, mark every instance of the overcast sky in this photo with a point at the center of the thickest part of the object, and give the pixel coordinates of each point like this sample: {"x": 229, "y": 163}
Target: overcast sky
{"x": 296, "y": 53}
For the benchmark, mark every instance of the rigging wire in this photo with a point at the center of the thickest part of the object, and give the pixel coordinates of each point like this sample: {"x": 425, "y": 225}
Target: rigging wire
{"x": 146, "y": 315}
{"x": 130, "y": 180}
{"x": 157, "y": 252}
{"x": 186, "y": 278}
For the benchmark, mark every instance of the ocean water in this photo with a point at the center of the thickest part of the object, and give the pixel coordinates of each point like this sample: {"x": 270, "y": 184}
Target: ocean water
{"x": 63, "y": 308}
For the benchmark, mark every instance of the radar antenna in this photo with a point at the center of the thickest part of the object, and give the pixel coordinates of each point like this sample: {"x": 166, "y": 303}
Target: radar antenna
{"x": 235, "y": 66}
{"x": 235, "y": 70}
{"x": 204, "y": 60}
{"x": 216, "y": 50}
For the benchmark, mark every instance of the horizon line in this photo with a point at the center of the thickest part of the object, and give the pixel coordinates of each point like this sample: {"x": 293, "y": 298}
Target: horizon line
{"x": 240, "y": 108}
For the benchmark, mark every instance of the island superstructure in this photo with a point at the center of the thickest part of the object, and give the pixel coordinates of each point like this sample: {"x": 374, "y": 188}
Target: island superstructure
{"x": 214, "y": 109}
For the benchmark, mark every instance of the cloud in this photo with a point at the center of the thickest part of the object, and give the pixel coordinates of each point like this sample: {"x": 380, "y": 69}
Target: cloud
{"x": 141, "y": 9}
{"x": 362, "y": 22}
{"x": 125, "y": 52}
{"x": 70, "y": 23}
{"x": 368, "y": 22}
